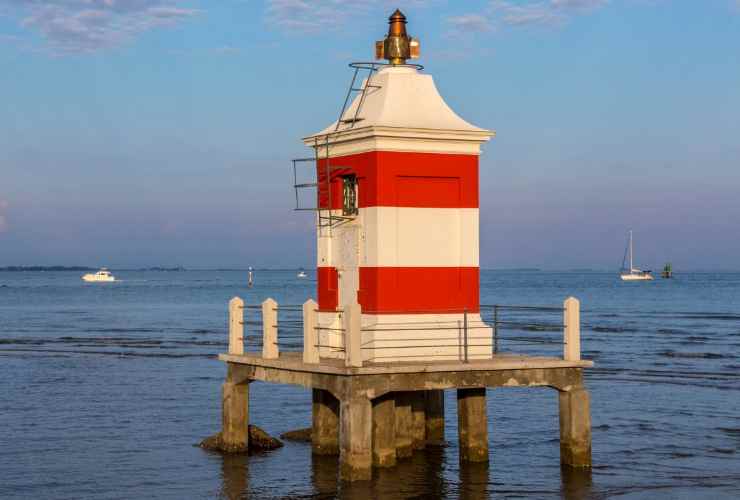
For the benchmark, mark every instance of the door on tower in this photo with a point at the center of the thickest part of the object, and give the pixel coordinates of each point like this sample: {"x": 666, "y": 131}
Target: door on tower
{"x": 349, "y": 243}
{"x": 349, "y": 250}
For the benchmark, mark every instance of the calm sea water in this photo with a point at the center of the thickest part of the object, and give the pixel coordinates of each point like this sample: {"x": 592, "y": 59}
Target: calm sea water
{"x": 105, "y": 389}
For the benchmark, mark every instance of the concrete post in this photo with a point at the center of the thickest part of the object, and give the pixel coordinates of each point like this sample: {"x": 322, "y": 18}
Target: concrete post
{"x": 355, "y": 439}
{"x": 572, "y": 333}
{"x": 472, "y": 424}
{"x": 353, "y": 335}
{"x": 435, "y": 417}
{"x": 575, "y": 428}
{"x": 310, "y": 334}
{"x": 270, "y": 348}
{"x": 236, "y": 326}
{"x": 235, "y": 416}
{"x": 325, "y": 423}
{"x": 418, "y": 422}
{"x": 404, "y": 425}
{"x": 384, "y": 431}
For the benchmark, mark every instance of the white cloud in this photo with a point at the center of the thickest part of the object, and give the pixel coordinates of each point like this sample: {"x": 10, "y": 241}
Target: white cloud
{"x": 314, "y": 16}
{"x": 542, "y": 12}
{"x": 577, "y": 4}
{"x": 90, "y": 25}
{"x": 305, "y": 16}
{"x": 470, "y": 23}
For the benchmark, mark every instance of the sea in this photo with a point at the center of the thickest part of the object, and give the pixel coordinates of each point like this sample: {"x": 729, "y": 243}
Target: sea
{"x": 107, "y": 388}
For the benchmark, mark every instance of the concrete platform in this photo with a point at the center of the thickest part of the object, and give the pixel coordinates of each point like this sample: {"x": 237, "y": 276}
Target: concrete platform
{"x": 380, "y": 412}
{"x": 377, "y": 379}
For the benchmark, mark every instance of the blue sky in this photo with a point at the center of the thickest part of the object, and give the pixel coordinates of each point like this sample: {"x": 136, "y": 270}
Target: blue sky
{"x": 137, "y": 132}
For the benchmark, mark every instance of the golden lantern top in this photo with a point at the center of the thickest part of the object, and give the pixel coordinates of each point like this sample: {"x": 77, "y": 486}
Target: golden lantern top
{"x": 397, "y": 46}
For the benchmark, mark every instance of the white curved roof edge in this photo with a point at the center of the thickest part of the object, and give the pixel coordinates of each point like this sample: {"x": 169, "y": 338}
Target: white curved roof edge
{"x": 478, "y": 136}
{"x": 404, "y": 99}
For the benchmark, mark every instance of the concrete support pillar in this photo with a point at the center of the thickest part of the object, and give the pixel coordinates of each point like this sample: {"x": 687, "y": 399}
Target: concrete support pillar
{"x": 575, "y": 428}
{"x": 472, "y": 424}
{"x": 404, "y": 425}
{"x": 310, "y": 333}
{"x": 270, "y": 329}
{"x": 355, "y": 439}
{"x": 235, "y": 416}
{"x": 435, "y": 417}
{"x": 418, "y": 422}
{"x": 384, "y": 431}
{"x": 325, "y": 423}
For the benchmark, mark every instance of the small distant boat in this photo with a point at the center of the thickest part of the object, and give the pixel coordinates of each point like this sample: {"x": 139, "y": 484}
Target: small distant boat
{"x": 632, "y": 273}
{"x": 102, "y": 275}
{"x": 250, "y": 278}
{"x": 667, "y": 271}
{"x": 302, "y": 274}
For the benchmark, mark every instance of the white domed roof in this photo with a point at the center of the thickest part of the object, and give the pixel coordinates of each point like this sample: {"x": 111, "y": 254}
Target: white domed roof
{"x": 401, "y": 97}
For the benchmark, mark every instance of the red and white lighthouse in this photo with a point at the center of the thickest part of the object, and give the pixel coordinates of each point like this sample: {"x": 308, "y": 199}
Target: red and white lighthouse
{"x": 398, "y": 220}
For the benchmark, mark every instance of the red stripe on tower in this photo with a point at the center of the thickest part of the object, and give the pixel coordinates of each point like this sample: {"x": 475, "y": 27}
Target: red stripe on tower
{"x": 419, "y": 290}
{"x": 401, "y": 179}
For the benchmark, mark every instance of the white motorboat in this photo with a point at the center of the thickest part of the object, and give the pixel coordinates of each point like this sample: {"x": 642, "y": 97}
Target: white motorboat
{"x": 302, "y": 274}
{"x": 632, "y": 273}
{"x": 102, "y": 275}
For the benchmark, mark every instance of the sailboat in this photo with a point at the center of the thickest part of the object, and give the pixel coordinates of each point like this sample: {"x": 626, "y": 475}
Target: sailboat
{"x": 631, "y": 273}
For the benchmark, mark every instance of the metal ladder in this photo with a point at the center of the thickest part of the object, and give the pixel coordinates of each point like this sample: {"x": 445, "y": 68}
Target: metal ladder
{"x": 371, "y": 68}
{"x": 325, "y": 216}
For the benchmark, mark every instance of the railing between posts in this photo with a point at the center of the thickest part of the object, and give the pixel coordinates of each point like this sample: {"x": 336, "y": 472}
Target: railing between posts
{"x": 300, "y": 331}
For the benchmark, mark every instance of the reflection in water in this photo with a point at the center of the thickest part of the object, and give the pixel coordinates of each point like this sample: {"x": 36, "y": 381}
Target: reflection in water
{"x": 234, "y": 476}
{"x": 576, "y": 483}
{"x": 473, "y": 481}
{"x": 324, "y": 474}
{"x": 421, "y": 476}
{"x": 418, "y": 476}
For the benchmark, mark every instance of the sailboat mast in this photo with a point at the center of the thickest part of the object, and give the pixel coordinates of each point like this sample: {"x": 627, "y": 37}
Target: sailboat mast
{"x": 631, "y": 266}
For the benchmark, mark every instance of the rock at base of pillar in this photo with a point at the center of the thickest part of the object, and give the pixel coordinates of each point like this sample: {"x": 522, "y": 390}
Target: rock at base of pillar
{"x": 325, "y": 423}
{"x": 258, "y": 440}
{"x": 298, "y": 435}
{"x": 355, "y": 439}
{"x": 472, "y": 424}
{"x": 234, "y": 435}
{"x": 575, "y": 428}
{"x": 435, "y": 417}
{"x": 384, "y": 431}
{"x": 404, "y": 425}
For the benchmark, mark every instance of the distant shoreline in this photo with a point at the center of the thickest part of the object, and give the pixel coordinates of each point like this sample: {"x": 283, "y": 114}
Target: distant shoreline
{"x": 523, "y": 270}
{"x": 80, "y": 268}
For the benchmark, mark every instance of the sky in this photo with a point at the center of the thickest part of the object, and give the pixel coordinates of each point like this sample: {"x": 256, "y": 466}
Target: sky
{"x": 138, "y": 133}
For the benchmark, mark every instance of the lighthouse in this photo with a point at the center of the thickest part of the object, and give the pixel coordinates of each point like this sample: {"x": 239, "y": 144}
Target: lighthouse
{"x": 397, "y": 181}
{"x": 398, "y": 317}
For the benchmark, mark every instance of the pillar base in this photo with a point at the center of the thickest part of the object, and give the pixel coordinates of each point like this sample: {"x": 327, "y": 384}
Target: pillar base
{"x": 435, "y": 417}
{"x": 384, "y": 431}
{"x": 325, "y": 423}
{"x": 234, "y": 436}
{"x": 472, "y": 425}
{"x": 418, "y": 422}
{"x": 355, "y": 439}
{"x": 575, "y": 428}
{"x": 404, "y": 425}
